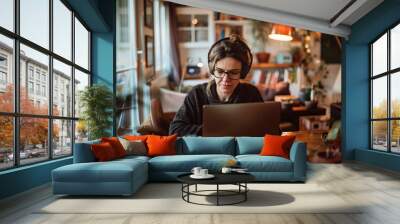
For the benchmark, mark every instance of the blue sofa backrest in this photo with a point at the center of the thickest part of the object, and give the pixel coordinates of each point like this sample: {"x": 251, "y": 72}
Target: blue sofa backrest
{"x": 83, "y": 152}
{"x": 192, "y": 145}
{"x": 249, "y": 145}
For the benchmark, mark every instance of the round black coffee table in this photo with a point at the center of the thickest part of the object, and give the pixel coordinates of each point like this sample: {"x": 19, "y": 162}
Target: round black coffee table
{"x": 238, "y": 179}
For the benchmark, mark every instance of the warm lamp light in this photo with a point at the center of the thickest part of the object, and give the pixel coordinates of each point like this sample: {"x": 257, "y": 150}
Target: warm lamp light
{"x": 281, "y": 33}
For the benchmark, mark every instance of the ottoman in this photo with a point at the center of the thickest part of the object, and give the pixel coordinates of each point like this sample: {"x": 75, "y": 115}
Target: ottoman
{"x": 118, "y": 177}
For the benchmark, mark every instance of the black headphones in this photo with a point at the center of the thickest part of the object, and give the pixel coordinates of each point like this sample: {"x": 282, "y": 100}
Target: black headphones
{"x": 245, "y": 67}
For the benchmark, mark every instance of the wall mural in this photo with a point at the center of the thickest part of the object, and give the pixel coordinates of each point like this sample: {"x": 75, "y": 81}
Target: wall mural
{"x": 303, "y": 73}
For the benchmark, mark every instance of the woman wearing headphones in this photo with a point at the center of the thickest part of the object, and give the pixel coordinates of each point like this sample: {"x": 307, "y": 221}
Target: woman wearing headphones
{"x": 229, "y": 60}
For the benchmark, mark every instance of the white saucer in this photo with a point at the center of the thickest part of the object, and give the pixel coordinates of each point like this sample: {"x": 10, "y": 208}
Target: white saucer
{"x": 208, "y": 176}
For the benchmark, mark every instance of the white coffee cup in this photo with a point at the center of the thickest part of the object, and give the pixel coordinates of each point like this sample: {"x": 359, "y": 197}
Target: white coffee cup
{"x": 203, "y": 172}
{"x": 226, "y": 170}
{"x": 196, "y": 170}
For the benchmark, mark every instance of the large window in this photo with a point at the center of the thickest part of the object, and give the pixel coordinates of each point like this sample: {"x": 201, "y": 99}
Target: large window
{"x": 44, "y": 64}
{"x": 385, "y": 96}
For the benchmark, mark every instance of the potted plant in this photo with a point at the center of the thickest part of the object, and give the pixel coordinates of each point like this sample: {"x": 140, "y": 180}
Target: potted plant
{"x": 96, "y": 102}
{"x": 260, "y": 31}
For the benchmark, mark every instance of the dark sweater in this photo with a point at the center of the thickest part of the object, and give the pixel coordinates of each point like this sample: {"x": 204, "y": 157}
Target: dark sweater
{"x": 189, "y": 118}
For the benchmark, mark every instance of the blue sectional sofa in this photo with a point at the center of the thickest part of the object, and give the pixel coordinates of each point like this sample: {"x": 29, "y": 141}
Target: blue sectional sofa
{"x": 125, "y": 176}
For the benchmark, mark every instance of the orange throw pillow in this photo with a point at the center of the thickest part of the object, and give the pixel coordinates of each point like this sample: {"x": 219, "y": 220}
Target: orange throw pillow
{"x": 103, "y": 152}
{"x": 136, "y": 137}
{"x": 275, "y": 145}
{"x": 116, "y": 145}
{"x": 161, "y": 145}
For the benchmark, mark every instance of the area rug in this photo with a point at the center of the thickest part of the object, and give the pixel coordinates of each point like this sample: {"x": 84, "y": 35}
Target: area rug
{"x": 167, "y": 198}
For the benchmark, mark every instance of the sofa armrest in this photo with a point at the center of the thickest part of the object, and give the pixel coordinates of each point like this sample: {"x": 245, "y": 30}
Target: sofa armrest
{"x": 298, "y": 155}
{"x": 83, "y": 152}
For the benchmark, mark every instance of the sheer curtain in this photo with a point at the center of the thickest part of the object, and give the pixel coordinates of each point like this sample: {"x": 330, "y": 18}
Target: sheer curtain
{"x": 166, "y": 41}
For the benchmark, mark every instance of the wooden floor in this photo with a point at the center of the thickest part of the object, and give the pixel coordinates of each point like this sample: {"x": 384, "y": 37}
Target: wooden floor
{"x": 378, "y": 189}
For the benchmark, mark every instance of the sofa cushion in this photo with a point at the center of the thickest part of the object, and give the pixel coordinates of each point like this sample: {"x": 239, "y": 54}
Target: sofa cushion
{"x": 191, "y": 145}
{"x": 136, "y": 147}
{"x": 249, "y": 145}
{"x": 257, "y": 163}
{"x": 185, "y": 163}
{"x": 111, "y": 171}
{"x": 103, "y": 152}
{"x": 135, "y": 137}
{"x": 133, "y": 158}
{"x": 116, "y": 145}
{"x": 161, "y": 145}
{"x": 275, "y": 145}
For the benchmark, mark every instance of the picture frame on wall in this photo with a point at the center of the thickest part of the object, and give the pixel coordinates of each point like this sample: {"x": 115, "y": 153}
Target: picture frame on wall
{"x": 148, "y": 13}
{"x": 149, "y": 50}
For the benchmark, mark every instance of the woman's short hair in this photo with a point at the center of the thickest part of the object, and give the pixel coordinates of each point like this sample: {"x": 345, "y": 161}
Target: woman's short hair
{"x": 234, "y": 47}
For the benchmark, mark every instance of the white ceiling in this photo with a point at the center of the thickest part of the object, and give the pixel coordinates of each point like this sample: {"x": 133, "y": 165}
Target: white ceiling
{"x": 320, "y": 9}
{"x": 315, "y": 15}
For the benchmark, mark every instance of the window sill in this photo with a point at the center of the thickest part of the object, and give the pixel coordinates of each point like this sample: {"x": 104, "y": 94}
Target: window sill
{"x": 26, "y": 167}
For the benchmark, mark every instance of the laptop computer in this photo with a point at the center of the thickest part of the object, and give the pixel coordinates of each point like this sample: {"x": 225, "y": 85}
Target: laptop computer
{"x": 243, "y": 119}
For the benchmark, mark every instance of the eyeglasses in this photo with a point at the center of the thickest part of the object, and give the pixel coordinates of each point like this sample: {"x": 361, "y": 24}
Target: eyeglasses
{"x": 233, "y": 74}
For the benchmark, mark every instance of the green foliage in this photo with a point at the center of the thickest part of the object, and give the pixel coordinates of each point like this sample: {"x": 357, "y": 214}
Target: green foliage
{"x": 260, "y": 31}
{"x": 96, "y": 102}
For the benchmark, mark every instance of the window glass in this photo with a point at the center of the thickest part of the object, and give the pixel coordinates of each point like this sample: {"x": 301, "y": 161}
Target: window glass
{"x": 34, "y": 21}
{"x": 379, "y": 98}
{"x": 62, "y": 91}
{"x": 81, "y": 81}
{"x": 33, "y": 140}
{"x": 6, "y": 142}
{"x": 7, "y": 14}
{"x": 39, "y": 61}
{"x": 81, "y": 131}
{"x": 201, "y": 35}
{"x": 395, "y": 95}
{"x": 34, "y": 80}
{"x": 81, "y": 45}
{"x": 200, "y": 21}
{"x": 184, "y": 20}
{"x": 379, "y": 55}
{"x": 62, "y": 141}
{"x": 379, "y": 135}
{"x": 395, "y": 47}
{"x": 62, "y": 29}
{"x": 6, "y": 74}
{"x": 395, "y": 138}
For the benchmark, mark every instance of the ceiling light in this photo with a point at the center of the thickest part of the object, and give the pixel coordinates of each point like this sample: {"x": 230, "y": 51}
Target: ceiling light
{"x": 281, "y": 33}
